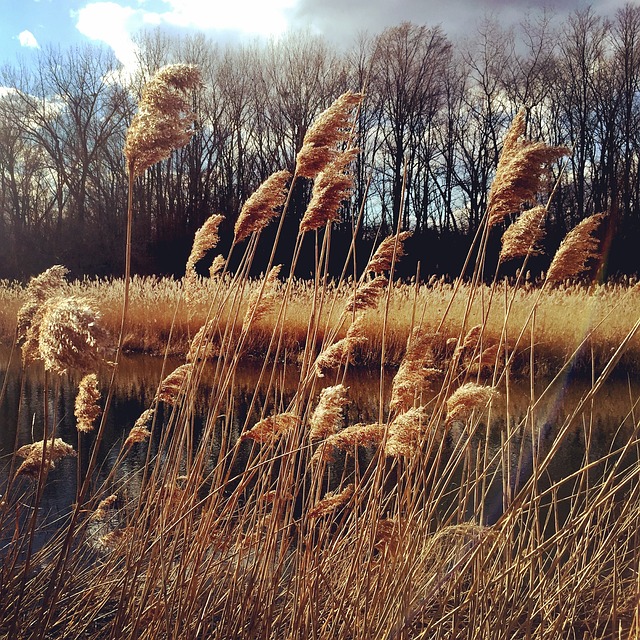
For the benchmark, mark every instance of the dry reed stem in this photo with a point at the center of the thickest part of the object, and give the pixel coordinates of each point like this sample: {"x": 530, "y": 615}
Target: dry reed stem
{"x": 519, "y": 171}
{"x": 416, "y": 370}
{"x": 262, "y": 206}
{"x": 329, "y": 130}
{"x": 33, "y": 454}
{"x": 164, "y": 117}
{"x": 170, "y": 388}
{"x": 262, "y": 300}
{"x": 383, "y": 256}
{"x": 523, "y": 237}
{"x": 367, "y": 295}
{"x": 340, "y": 352}
{"x": 71, "y": 336}
{"x": 269, "y": 429}
{"x": 406, "y": 433}
{"x": 575, "y": 251}
{"x": 86, "y": 405}
{"x": 468, "y": 398}
{"x": 331, "y": 502}
{"x": 327, "y": 416}
{"x": 331, "y": 188}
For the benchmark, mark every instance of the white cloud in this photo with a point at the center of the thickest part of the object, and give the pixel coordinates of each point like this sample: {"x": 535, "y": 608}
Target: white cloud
{"x": 112, "y": 24}
{"x": 27, "y": 39}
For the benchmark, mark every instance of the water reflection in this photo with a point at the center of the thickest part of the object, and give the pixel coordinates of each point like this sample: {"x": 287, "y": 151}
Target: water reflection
{"x": 604, "y": 426}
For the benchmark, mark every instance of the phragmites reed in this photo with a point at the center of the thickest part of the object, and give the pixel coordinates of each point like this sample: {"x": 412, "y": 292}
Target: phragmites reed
{"x": 38, "y": 291}
{"x": 262, "y": 300}
{"x": 356, "y": 435}
{"x": 86, "y": 406}
{"x": 330, "y": 130}
{"x": 271, "y": 428}
{"x": 406, "y": 433}
{"x": 331, "y": 188}
{"x": 415, "y": 371}
{"x": 262, "y": 206}
{"x": 216, "y": 266}
{"x": 327, "y": 415}
{"x": 330, "y": 502}
{"x": 164, "y": 117}
{"x": 575, "y": 251}
{"x": 468, "y": 398}
{"x": 70, "y": 335}
{"x": 206, "y": 238}
{"x": 103, "y": 508}
{"x": 340, "y": 352}
{"x": 201, "y": 346}
{"x": 367, "y": 295}
{"x": 170, "y": 388}
{"x": 383, "y": 256}
{"x": 139, "y": 431}
{"x": 523, "y": 237}
{"x": 519, "y": 171}
{"x": 53, "y": 451}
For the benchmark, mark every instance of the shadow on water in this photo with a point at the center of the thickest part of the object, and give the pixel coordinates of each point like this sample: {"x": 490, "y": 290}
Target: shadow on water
{"x": 603, "y": 428}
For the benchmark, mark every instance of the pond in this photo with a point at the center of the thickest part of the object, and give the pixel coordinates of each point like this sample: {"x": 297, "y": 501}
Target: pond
{"x": 604, "y": 427}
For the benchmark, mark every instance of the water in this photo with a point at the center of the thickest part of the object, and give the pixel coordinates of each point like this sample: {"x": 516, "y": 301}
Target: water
{"x": 604, "y": 427}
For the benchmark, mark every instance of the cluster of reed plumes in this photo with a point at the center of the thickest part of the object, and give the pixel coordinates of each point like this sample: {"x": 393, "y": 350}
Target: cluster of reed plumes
{"x": 293, "y": 520}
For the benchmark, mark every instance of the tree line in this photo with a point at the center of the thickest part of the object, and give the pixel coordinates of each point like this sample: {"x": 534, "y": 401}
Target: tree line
{"x": 430, "y": 134}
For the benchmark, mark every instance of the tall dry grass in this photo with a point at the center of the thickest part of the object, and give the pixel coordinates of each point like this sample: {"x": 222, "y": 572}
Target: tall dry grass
{"x": 444, "y": 518}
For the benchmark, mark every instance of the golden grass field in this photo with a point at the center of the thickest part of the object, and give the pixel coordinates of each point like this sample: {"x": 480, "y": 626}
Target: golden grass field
{"x": 445, "y": 517}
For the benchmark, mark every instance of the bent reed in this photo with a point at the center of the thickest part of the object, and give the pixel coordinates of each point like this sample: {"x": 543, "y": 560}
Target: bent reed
{"x": 292, "y": 521}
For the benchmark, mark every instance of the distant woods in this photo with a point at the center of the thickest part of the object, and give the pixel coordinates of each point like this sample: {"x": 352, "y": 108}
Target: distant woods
{"x": 430, "y": 133}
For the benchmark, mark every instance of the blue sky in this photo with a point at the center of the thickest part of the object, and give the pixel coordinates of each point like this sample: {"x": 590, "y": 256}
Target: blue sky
{"x": 29, "y": 24}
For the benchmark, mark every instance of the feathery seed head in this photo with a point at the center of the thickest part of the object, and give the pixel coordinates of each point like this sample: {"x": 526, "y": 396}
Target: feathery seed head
{"x": 33, "y": 454}
{"x": 206, "y": 238}
{"x": 262, "y": 300}
{"x": 366, "y": 295}
{"x": 383, "y": 257}
{"x": 339, "y": 353}
{"x": 468, "y": 398}
{"x": 575, "y": 251}
{"x": 163, "y": 121}
{"x": 175, "y": 383}
{"x": 271, "y": 428}
{"x": 524, "y": 235}
{"x": 86, "y": 406}
{"x": 261, "y": 207}
{"x": 331, "y": 502}
{"x": 327, "y": 415}
{"x": 406, "y": 433}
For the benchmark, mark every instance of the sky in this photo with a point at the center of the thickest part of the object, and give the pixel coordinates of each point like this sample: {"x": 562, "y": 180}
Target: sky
{"x": 27, "y": 25}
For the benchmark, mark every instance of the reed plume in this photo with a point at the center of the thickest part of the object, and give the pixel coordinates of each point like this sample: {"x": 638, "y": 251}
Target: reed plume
{"x": 37, "y": 292}
{"x": 103, "y": 508}
{"x": 523, "y": 237}
{"x": 262, "y": 300}
{"x": 262, "y": 206}
{"x": 331, "y": 188}
{"x": 327, "y": 416}
{"x": 139, "y": 431}
{"x": 86, "y": 406}
{"x": 416, "y": 371}
{"x": 575, "y": 251}
{"x": 206, "y": 238}
{"x": 216, "y": 266}
{"x": 50, "y": 451}
{"x": 468, "y": 398}
{"x": 71, "y": 336}
{"x": 356, "y": 435}
{"x": 366, "y": 295}
{"x": 201, "y": 346}
{"x": 164, "y": 118}
{"x": 330, "y": 129}
{"x": 406, "y": 433}
{"x": 519, "y": 171}
{"x": 383, "y": 256}
{"x": 171, "y": 387}
{"x": 330, "y": 502}
{"x": 340, "y": 352}
{"x": 271, "y": 428}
